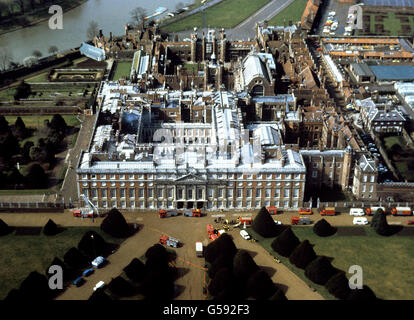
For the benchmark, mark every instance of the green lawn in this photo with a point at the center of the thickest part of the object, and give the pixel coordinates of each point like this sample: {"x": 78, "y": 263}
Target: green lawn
{"x": 24, "y": 254}
{"x": 404, "y": 161}
{"x": 386, "y": 261}
{"x": 391, "y": 23}
{"x": 42, "y": 77}
{"x": 123, "y": 69}
{"x": 227, "y": 14}
{"x": 36, "y": 122}
{"x": 292, "y": 12}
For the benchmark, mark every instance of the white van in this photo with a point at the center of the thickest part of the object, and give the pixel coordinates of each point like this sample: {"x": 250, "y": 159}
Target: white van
{"x": 245, "y": 235}
{"x": 100, "y": 284}
{"x": 360, "y": 221}
{"x": 199, "y": 249}
{"x": 356, "y": 212}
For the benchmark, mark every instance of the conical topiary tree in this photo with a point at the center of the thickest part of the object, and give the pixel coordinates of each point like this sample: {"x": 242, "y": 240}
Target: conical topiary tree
{"x": 222, "y": 245}
{"x": 379, "y": 223}
{"x": 222, "y": 281}
{"x": 99, "y": 296}
{"x": 243, "y": 265}
{"x": 75, "y": 259}
{"x": 68, "y": 273}
{"x": 222, "y": 261}
{"x": 35, "y": 287}
{"x": 92, "y": 245}
{"x": 135, "y": 270}
{"x": 323, "y": 229}
{"x": 362, "y": 294}
{"x": 260, "y": 286}
{"x": 158, "y": 286}
{"x": 50, "y": 228}
{"x": 338, "y": 286}
{"x": 264, "y": 224}
{"x": 120, "y": 287}
{"x": 285, "y": 243}
{"x": 302, "y": 255}
{"x": 115, "y": 224}
{"x": 320, "y": 270}
{"x": 278, "y": 296}
{"x": 4, "y": 228}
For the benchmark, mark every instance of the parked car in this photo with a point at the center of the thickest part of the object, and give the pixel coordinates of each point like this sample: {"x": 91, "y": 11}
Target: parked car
{"x": 245, "y": 235}
{"x": 98, "y": 262}
{"x": 360, "y": 221}
{"x": 79, "y": 281}
{"x": 278, "y": 222}
{"x": 99, "y": 285}
{"x": 356, "y": 212}
{"x": 88, "y": 272}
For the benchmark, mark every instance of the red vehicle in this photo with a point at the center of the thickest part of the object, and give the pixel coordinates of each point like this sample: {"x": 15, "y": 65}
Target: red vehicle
{"x": 330, "y": 211}
{"x": 401, "y": 211}
{"x": 300, "y": 220}
{"x": 169, "y": 241}
{"x": 372, "y": 210}
{"x": 84, "y": 213}
{"x": 167, "y": 213}
{"x": 210, "y": 229}
{"x": 305, "y": 211}
{"x": 192, "y": 213}
{"x": 272, "y": 210}
{"x": 247, "y": 220}
{"x": 410, "y": 222}
{"x": 213, "y": 236}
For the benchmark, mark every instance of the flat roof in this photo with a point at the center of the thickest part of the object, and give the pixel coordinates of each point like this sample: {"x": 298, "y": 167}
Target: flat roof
{"x": 389, "y": 3}
{"x": 393, "y": 72}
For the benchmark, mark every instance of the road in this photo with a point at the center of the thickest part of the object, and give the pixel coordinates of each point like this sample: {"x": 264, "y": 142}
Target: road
{"x": 246, "y": 29}
{"x": 69, "y": 187}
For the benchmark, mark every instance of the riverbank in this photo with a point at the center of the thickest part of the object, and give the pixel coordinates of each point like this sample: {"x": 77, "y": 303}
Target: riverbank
{"x": 39, "y": 15}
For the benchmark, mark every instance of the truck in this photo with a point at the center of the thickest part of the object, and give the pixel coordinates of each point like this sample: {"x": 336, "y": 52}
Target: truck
{"x": 402, "y": 211}
{"x": 247, "y": 220}
{"x": 167, "y": 213}
{"x": 329, "y": 211}
{"x": 169, "y": 241}
{"x": 370, "y": 211}
{"x": 192, "y": 213}
{"x": 272, "y": 210}
{"x": 199, "y": 249}
{"x": 300, "y": 220}
{"x": 302, "y": 211}
{"x": 90, "y": 211}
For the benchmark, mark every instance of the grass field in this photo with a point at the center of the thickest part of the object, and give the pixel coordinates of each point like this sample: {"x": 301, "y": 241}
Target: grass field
{"x": 227, "y": 14}
{"x": 123, "y": 69}
{"x": 391, "y": 23}
{"x": 402, "y": 159}
{"x": 386, "y": 261}
{"x": 36, "y": 122}
{"x": 42, "y": 77}
{"x": 24, "y": 254}
{"x": 292, "y": 12}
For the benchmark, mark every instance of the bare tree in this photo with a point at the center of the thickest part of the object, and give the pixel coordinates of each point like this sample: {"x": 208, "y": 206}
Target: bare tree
{"x": 37, "y": 54}
{"x": 92, "y": 30}
{"x": 179, "y": 5}
{"x": 138, "y": 14}
{"x": 53, "y": 49}
{"x": 5, "y": 58}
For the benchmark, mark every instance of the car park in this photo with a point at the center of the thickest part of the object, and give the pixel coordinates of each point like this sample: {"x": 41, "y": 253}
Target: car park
{"x": 360, "y": 221}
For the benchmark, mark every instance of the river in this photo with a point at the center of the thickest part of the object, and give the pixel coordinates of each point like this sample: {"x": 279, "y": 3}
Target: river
{"x": 111, "y": 16}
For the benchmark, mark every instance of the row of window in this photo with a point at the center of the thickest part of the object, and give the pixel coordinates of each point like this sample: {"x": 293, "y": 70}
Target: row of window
{"x": 330, "y": 164}
{"x": 210, "y": 205}
{"x": 295, "y": 176}
{"x": 199, "y": 193}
